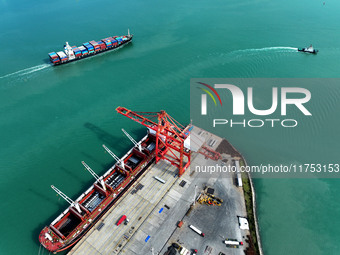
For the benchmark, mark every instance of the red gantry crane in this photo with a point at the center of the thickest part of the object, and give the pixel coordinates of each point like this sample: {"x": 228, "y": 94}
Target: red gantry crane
{"x": 170, "y": 136}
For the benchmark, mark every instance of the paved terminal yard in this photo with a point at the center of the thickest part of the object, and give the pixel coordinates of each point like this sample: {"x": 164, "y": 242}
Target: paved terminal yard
{"x": 154, "y": 209}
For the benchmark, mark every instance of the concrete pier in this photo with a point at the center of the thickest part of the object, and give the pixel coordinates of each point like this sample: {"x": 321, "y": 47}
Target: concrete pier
{"x": 154, "y": 208}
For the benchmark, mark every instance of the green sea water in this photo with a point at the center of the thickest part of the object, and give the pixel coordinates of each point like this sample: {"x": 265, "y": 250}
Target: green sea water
{"x": 52, "y": 118}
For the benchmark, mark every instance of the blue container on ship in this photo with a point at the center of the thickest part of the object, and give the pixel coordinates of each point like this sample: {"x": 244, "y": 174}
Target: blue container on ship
{"x": 89, "y": 47}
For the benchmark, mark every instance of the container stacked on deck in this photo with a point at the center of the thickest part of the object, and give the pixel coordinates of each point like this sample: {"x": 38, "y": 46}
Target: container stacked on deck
{"x": 114, "y": 41}
{"x": 119, "y": 39}
{"x": 54, "y": 57}
{"x": 102, "y": 45}
{"x": 107, "y": 42}
{"x": 62, "y": 56}
{"x": 95, "y": 45}
{"x": 77, "y": 51}
{"x": 83, "y": 50}
{"x": 89, "y": 47}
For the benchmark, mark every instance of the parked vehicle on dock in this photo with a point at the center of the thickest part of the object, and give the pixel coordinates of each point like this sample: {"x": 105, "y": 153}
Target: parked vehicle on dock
{"x": 121, "y": 220}
{"x": 232, "y": 243}
{"x": 197, "y": 230}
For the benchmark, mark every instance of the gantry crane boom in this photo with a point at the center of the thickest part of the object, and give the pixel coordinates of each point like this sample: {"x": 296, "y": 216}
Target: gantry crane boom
{"x": 170, "y": 136}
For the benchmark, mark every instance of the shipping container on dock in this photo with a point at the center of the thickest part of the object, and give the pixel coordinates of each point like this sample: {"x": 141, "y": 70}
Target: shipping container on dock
{"x": 88, "y": 49}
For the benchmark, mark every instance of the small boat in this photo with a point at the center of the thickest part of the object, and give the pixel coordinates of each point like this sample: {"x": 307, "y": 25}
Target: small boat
{"x": 309, "y": 49}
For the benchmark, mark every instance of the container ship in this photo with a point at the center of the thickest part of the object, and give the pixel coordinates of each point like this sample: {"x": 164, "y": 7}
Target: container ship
{"x": 73, "y": 223}
{"x": 73, "y": 53}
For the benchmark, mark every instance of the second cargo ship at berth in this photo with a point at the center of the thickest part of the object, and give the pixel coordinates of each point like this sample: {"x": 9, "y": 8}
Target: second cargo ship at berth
{"x": 72, "y": 53}
{"x": 71, "y": 225}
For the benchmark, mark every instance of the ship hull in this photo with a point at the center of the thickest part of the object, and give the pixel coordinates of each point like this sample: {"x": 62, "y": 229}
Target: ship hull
{"x": 54, "y": 239}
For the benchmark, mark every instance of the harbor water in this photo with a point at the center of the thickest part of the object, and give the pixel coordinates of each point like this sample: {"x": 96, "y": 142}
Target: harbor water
{"x": 52, "y": 118}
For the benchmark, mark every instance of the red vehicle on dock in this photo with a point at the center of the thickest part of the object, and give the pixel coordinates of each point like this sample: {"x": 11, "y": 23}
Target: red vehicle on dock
{"x": 121, "y": 220}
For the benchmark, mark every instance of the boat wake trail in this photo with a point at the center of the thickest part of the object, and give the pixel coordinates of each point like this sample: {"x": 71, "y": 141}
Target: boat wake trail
{"x": 279, "y": 49}
{"x": 27, "y": 71}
